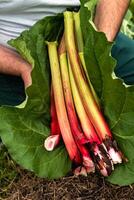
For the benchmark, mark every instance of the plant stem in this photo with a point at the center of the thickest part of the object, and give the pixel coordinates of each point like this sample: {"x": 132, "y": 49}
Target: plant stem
{"x": 53, "y": 140}
{"x": 75, "y": 126}
{"x": 55, "y": 128}
{"x": 80, "y": 46}
{"x": 99, "y": 153}
{"x": 87, "y": 126}
{"x": 60, "y": 104}
{"x": 79, "y": 137}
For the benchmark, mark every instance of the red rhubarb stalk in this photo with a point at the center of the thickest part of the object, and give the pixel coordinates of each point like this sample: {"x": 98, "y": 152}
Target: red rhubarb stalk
{"x": 75, "y": 126}
{"x": 55, "y": 128}
{"x": 87, "y": 126}
{"x": 53, "y": 140}
{"x": 60, "y": 104}
{"x": 79, "y": 137}
{"x": 98, "y": 151}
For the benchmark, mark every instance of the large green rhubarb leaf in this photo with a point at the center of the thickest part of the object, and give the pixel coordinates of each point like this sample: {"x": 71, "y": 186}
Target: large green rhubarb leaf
{"x": 24, "y": 128}
{"x": 117, "y": 100}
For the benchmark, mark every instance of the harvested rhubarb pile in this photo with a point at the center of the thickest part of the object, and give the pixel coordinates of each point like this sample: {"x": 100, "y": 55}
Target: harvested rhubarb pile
{"x": 77, "y": 116}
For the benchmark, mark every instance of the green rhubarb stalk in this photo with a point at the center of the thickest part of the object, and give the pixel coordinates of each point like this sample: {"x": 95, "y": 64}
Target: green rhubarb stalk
{"x": 89, "y": 103}
{"x": 60, "y": 104}
{"x": 85, "y": 92}
{"x": 78, "y": 32}
{"x": 80, "y": 46}
{"x": 75, "y": 127}
{"x": 79, "y": 137}
{"x": 87, "y": 127}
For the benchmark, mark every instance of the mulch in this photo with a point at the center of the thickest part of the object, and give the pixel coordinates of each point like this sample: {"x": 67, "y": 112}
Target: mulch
{"x": 26, "y": 186}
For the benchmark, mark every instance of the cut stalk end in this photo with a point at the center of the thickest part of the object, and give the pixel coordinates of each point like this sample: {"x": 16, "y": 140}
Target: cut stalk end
{"x": 115, "y": 154}
{"x": 104, "y": 172}
{"x": 88, "y": 164}
{"x": 80, "y": 171}
{"x": 102, "y": 159}
{"x": 51, "y": 43}
{"x": 51, "y": 142}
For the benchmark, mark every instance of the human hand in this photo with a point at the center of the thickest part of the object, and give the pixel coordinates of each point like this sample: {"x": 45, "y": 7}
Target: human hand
{"x": 12, "y": 63}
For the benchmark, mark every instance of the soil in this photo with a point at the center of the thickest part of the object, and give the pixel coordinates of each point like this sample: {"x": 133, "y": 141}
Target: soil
{"x": 26, "y": 186}
{"x": 19, "y": 184}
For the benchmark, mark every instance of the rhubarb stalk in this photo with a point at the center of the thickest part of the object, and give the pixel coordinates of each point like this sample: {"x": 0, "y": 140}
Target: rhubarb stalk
{"x": 60, "y": 104}
{"x": 53, "y": 140}
{"x": 90, "y": 105}
{"x": 80, "y": 46}
{"x": 102, "y": 160}
{"x": 75, "y": 126}
{"x": 79, "y": 137}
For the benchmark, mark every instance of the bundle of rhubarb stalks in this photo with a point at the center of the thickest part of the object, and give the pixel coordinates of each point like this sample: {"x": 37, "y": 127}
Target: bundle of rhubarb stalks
{"x": 76, "y": 115}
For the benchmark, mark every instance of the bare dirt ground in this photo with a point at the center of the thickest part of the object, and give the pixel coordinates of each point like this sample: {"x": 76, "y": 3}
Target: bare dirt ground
{"x": 18, "y": 184}
{"x": 28, "y": 187}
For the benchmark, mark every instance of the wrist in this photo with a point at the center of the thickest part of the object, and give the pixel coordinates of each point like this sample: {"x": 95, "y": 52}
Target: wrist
{"x": 26, "y": 74}
{"x": 109, "y": 16}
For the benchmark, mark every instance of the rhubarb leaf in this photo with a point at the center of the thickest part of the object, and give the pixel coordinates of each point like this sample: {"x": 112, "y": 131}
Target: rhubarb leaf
{"x": 116, "y": 99}
{"x": 128, "y": 24}
{"x": 24, "y": 127}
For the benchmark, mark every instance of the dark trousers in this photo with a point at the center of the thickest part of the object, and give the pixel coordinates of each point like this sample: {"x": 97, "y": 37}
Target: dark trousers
{"x": 123, "y": 52}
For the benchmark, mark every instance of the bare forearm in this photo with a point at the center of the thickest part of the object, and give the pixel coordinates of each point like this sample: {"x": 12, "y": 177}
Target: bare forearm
{"x": 12, "y": 63}
{"x": 109, "y": 16}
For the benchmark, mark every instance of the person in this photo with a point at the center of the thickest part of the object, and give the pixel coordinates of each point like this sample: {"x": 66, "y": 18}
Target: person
{"x": 16, "y": 16}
